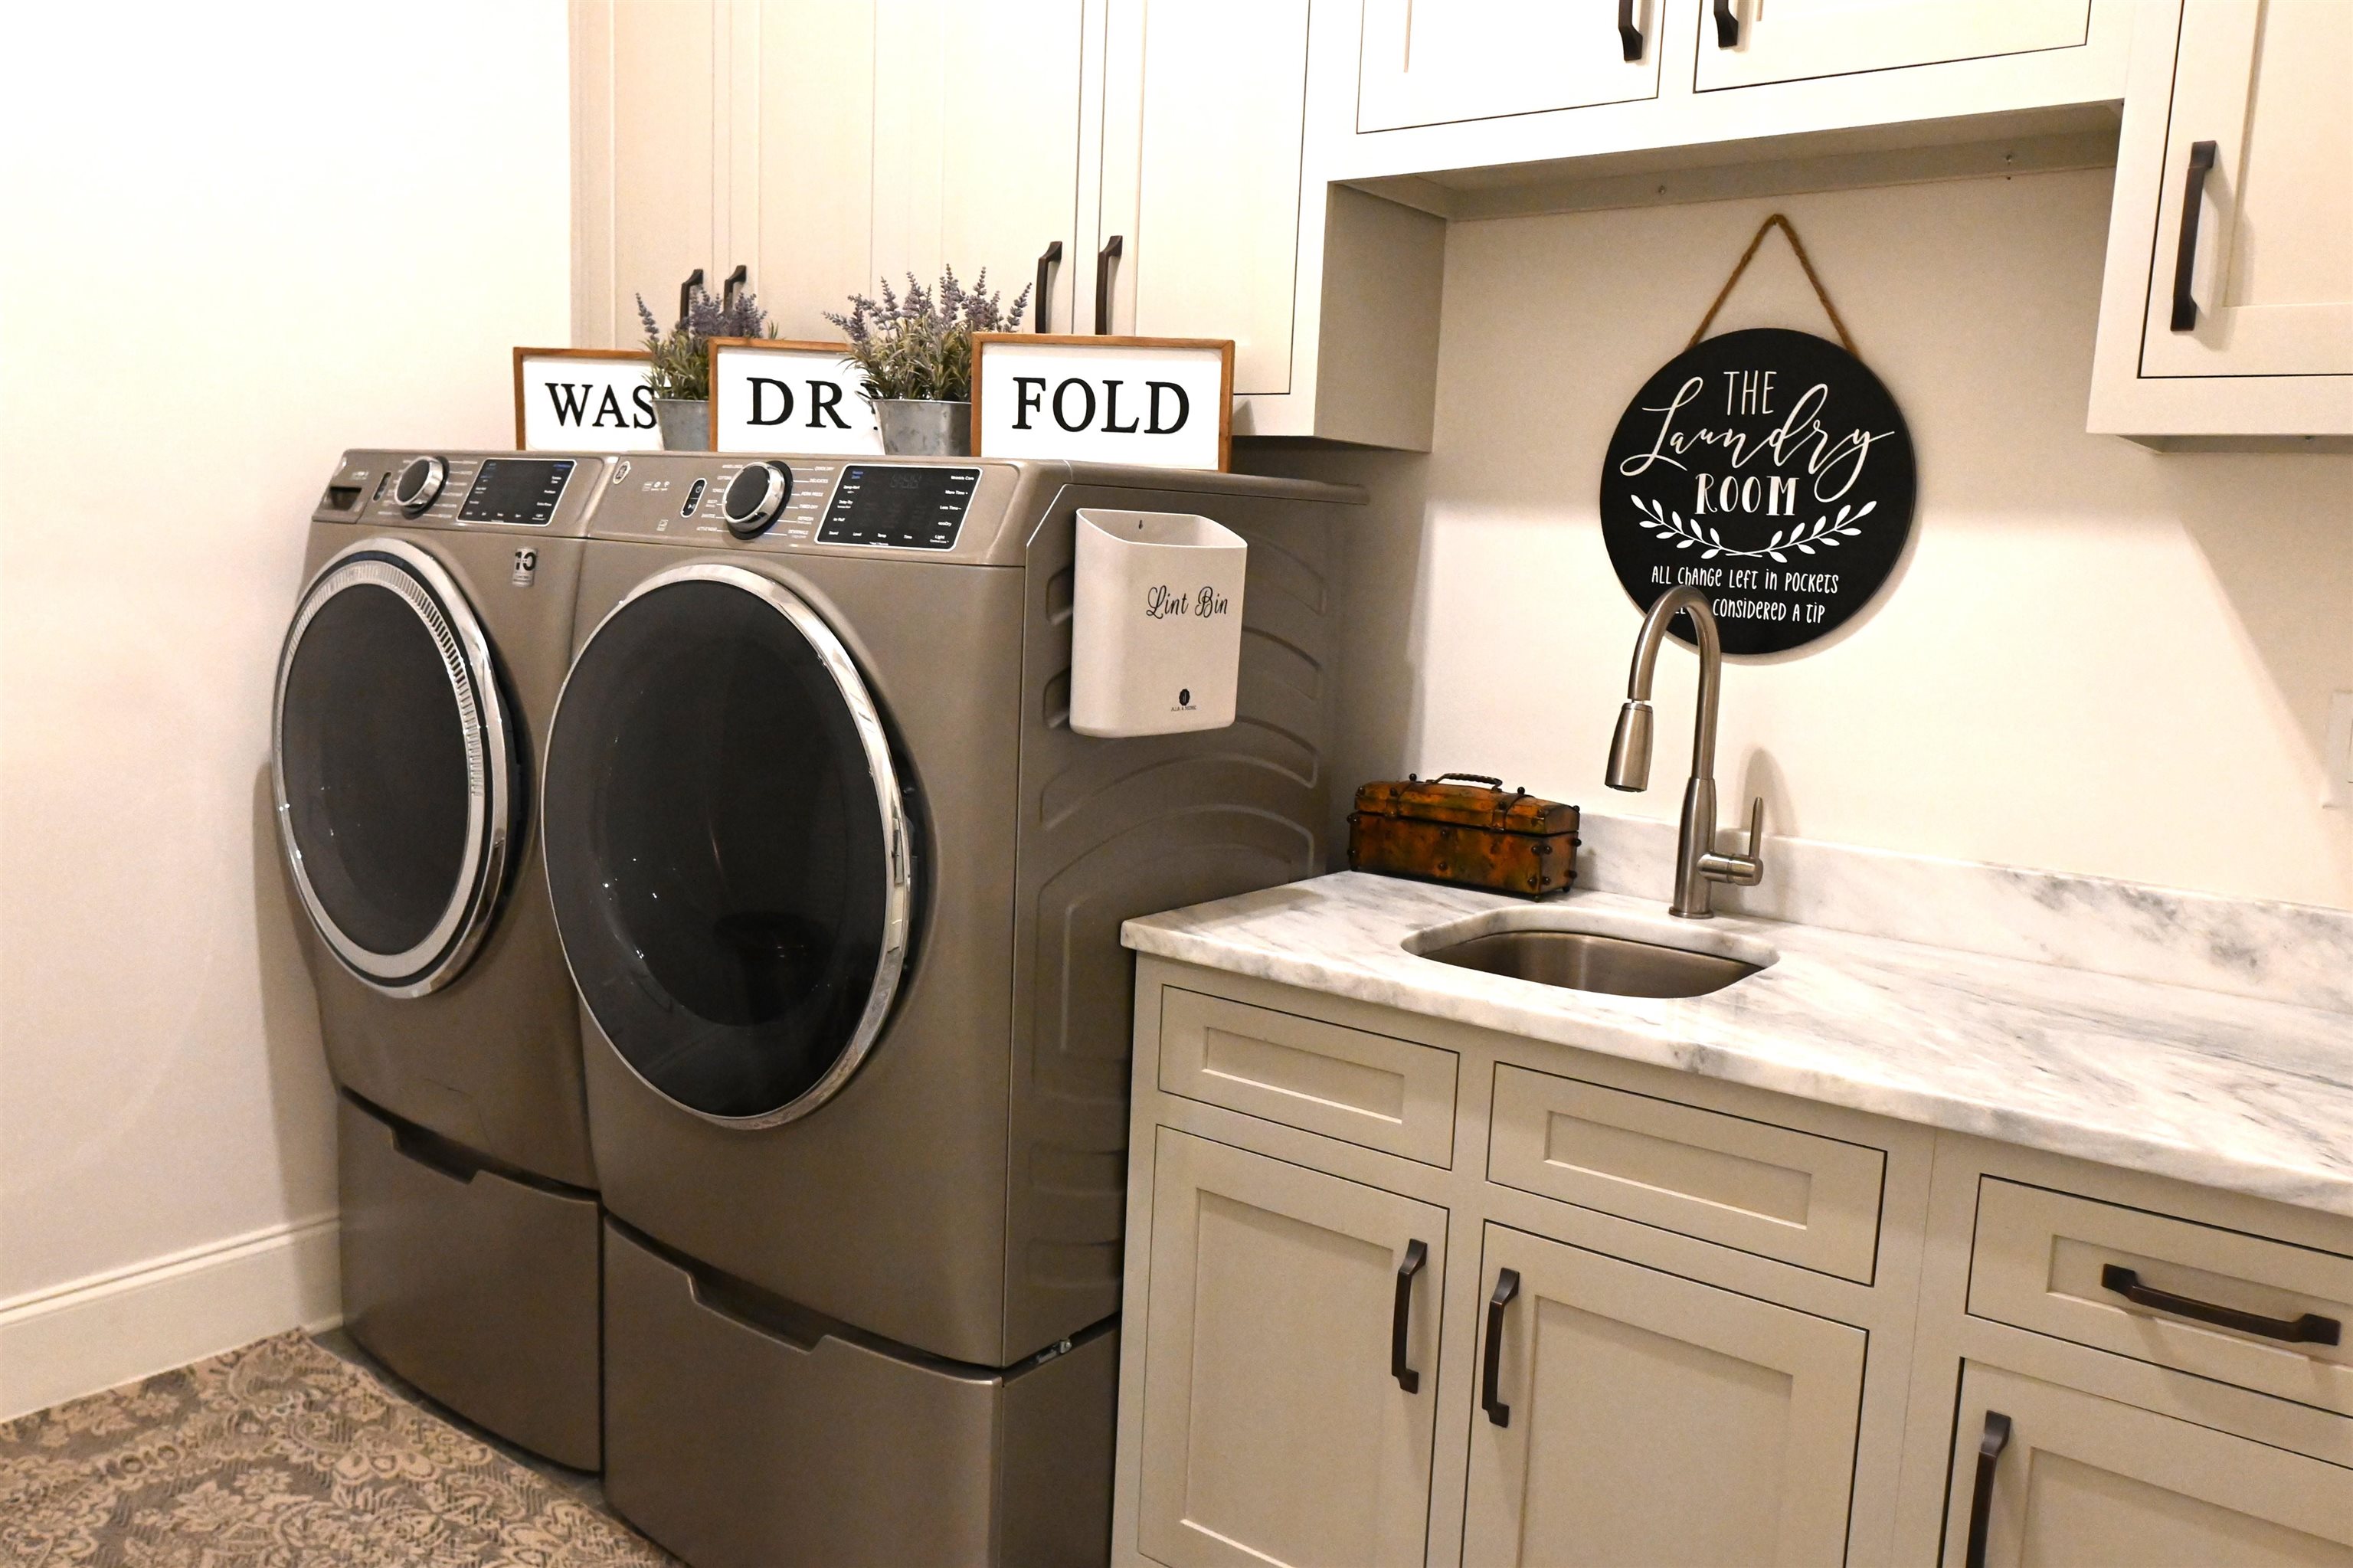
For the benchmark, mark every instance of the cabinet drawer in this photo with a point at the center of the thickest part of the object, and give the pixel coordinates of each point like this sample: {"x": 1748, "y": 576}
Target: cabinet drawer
{"x": 1749, "y": 1185}
{"x": 1374, "y": 1089}
{"x": 2049, "y": 1261}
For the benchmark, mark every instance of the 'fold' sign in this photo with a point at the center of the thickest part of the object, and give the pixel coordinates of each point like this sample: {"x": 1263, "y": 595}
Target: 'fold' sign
{"x": 769, "y": 395}
{"x": 1151, "y": 402}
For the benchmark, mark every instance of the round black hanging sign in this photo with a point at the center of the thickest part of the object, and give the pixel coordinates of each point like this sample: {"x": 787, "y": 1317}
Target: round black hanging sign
{"x": 1768, "y": 468}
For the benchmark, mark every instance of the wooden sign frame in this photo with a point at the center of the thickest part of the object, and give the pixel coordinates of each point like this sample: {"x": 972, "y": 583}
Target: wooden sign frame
{"x": 1224, "y": 348}
{"x": 836, "y": 351}
{"x": 522, "y": 354}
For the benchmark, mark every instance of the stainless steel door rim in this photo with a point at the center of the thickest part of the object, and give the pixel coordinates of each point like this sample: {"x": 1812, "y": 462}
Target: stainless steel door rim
{"x": 419, "y": 581}
{"x": 898, "y": 870}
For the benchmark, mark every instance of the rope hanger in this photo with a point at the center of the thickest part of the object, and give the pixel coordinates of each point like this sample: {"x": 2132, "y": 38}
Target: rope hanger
{"x": 1775, "y": 221}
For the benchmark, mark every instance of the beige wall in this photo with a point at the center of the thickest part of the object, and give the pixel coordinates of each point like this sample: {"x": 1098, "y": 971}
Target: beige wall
{"x": 2095, "y": 659}
{"x": 236, "y": 238}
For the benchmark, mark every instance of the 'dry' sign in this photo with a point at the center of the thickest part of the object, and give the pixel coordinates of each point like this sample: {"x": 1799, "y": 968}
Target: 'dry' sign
{"x": 1155, "y": 402}
{"x": 584, "y": 400}
{"x": 769, "y": 395}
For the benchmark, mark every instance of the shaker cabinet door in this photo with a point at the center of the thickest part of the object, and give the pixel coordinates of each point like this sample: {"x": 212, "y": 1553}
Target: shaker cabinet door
{"x": 2253, "y": 269}
{"x": 2069, "y": 1478}
{"x": 1628, "y": 1416}
{"x": 977, "y": 144}
{"x": 1429, "y": 65}
{"x": 1746, "y": 43}
{"x": 1204, "y": 130}
{"x": 1277, "y": 1425}
{"x": 811, "y": 133}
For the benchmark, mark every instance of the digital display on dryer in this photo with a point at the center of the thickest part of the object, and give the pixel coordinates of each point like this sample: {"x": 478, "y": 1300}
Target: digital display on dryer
{"x": 907, "y": 508}
{"x": 516, "y": 489}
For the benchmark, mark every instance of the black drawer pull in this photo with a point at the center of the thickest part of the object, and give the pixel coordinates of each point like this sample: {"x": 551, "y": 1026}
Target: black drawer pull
{"x": 686, "y": 293}
{"x": 1507, "y": 1284}
{"x": 1110, "y": 253}
{"x": 734, "y": 284}
{"x": 1401, "y": 1320}
{"x": 1989, "y": 1447}
{"x": 2311, "y": 1328}
{"x": 1629, "y": 35}
{"x": 1727, "y": 25}
{"x": 2185, "y": 255}
{"x": 1047, "y": 259}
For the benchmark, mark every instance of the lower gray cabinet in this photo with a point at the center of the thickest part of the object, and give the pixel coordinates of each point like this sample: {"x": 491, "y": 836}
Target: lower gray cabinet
{"x": 1628, "y": 1416}
{"x": 1280, "y": 1423}
{"x": 2050, "y": 1476}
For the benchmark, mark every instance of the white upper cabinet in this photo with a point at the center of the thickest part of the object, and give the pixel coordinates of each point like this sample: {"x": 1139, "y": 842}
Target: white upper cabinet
{"x": 1746, "y": 42}
{"x": 803, "y": 156}
{"x": 977, "y": 109}
{"x": 1202, "y": 142}
{"x": 2228, "y": 308}
{"x": 1427, "y": 65}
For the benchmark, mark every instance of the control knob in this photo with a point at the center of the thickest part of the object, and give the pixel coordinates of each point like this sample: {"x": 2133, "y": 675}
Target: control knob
{"x": 755, "y": 496}
{"x": 419, "y": 484}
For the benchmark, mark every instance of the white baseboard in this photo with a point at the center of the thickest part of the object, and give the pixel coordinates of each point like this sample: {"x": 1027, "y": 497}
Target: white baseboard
{"x": 111, "y": 1329}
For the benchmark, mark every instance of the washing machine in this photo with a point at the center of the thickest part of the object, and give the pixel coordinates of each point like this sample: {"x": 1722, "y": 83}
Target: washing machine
{"x": 841, "y": 893}
{"x": 413, "y": 693}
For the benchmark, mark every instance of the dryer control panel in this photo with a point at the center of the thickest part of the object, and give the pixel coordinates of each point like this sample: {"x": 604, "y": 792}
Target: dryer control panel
{"x": 925, "y": 508}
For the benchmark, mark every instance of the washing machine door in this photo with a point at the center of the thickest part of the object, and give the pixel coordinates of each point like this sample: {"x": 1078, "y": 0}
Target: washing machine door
{"x": 392, "y": 760}
{"x": 727, "y": 846}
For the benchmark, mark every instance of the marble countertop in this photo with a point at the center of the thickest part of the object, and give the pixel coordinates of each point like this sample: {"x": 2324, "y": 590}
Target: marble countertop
{"x": 2227, "y": 1091}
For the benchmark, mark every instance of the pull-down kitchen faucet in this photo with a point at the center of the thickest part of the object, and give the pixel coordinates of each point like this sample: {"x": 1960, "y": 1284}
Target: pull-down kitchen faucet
{"x": 1697, "y": 865}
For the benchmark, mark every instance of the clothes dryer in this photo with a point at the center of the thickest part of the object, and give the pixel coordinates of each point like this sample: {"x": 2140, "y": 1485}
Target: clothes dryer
{"x": 841, "y": 892}
{"x": 412, "y": 694}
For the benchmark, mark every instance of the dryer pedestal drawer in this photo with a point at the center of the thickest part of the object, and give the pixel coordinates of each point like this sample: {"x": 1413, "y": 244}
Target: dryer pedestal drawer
{"x": 2243, "y": 1308}
{"x": 742, "y": 1432}
{"x": 478, "y": 1289}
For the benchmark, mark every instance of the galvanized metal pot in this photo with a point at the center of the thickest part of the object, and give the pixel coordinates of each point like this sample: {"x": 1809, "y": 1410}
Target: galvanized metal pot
{"x": 685, "y": 423}
{"x": 924, "y": 427}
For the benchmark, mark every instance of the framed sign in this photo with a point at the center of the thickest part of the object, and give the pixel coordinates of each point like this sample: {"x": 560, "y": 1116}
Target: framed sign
{"x": 1768, "y": 468}
{"x": 584, "y": 400}
{"x": 1155, "y": 402}
{"x": 770, "y": 395}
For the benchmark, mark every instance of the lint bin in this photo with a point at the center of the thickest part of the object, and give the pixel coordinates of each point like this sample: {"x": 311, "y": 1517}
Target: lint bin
{"x": 1156, "y": 623}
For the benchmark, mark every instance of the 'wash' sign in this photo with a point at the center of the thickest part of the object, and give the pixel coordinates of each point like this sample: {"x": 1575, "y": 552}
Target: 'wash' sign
{"x": 1154, "y": 402}
{"x": 584, "y": 400}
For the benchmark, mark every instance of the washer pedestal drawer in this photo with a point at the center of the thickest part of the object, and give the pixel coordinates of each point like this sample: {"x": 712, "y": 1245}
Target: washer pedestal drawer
{"x": 479, "y": 1289}
{"x": 742, "y": 1430}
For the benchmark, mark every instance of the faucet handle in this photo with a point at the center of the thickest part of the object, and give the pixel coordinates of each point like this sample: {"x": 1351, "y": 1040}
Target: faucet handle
{"x": 1740, "y": 870}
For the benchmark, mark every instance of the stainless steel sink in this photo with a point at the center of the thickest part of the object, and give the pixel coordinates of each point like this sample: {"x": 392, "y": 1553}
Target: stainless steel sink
{"x": 1587, "y": 960}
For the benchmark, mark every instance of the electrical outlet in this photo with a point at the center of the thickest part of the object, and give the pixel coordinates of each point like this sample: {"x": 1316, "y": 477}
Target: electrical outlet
{"x": 2337, "y": 752}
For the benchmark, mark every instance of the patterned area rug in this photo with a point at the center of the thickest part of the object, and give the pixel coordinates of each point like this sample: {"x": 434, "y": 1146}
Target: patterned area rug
{"x": 280, "y": 1456}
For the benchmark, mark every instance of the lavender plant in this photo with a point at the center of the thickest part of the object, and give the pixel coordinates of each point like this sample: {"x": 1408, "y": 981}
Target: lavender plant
{"x": 682, "y": 366}
{"x": 919, "y": 344}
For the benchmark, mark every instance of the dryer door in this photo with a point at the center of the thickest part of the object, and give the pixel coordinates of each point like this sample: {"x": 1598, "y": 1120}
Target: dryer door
{"x": 392, "y": 756}
{"x": 727, "y": 847}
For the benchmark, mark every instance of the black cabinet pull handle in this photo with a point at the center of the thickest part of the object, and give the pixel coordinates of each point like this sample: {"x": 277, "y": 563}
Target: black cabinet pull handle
{"x": 1727, "y": 25}
{"x": 1989, "y": 1447}
{"x": 1401, "y": 1319}
{"x": 1103, "y": 259}
{"x": 1507, "y": 1284}
{"x": 734, "y": 285}
{"x": 1047, "y": 259}
{"x": 2311, "y": 1328}
{"x": 1629, "y": 35}
{"x": 2185, "y": 253}
{"x": 686, "y": 291}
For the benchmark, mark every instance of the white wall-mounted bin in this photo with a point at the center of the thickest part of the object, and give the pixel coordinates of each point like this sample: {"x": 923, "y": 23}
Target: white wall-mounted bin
{"x": 1156, "y": 632}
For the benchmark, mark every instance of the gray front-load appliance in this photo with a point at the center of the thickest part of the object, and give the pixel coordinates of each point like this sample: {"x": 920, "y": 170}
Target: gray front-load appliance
{"x": 412, "y": 700}
{"x": 841, "y": 891}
